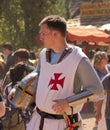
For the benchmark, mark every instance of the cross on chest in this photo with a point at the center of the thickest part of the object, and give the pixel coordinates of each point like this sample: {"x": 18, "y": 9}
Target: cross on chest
{"x": 56, "y": 81}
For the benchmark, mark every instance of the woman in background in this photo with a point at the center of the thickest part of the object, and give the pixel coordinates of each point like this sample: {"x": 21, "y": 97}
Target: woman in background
{"x": 100, "y": 63}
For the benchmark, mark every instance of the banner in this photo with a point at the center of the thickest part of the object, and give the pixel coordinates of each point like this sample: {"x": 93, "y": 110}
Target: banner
{"x": 95, "y": 9}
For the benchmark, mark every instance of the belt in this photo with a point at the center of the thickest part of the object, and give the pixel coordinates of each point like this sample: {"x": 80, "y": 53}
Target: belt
{"x": 52, "y": 116}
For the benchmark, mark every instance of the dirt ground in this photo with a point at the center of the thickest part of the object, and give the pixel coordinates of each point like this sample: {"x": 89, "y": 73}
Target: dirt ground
{"x": 89, "y": 121}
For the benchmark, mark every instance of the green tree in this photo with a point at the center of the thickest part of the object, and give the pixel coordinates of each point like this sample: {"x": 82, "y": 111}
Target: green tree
{"x": 19, "y": 19}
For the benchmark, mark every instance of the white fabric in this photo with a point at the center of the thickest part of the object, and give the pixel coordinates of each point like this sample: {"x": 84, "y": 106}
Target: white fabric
{"x": 45, "y": 96}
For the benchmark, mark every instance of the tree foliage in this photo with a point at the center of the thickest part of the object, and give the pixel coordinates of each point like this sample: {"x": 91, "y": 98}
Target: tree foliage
{"x": 19, "y": 19}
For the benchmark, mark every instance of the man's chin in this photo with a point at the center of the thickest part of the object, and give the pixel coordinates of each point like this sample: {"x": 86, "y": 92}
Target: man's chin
{"x": 46, "y": 46}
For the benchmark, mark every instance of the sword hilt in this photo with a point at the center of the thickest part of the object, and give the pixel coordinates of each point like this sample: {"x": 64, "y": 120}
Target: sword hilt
{"x": 70, "y": 126}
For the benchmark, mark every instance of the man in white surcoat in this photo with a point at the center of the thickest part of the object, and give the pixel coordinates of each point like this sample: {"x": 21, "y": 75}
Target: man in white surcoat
{"x": 63, "y": 71}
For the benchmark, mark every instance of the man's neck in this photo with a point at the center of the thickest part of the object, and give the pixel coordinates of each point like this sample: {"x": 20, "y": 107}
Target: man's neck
{"x": 59, "y": 47}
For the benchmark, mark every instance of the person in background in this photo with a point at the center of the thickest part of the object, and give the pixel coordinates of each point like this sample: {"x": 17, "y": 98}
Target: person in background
{"x": 21, "y": 55}
{"x": 10, "y": 61}
{"x": 100, "y": 63}
{"x": 13, "y": 114}
{"x": 106, "y": 84}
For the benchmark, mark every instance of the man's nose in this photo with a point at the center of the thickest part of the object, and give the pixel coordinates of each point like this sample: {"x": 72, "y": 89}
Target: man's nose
{"x": 41, "y": 37}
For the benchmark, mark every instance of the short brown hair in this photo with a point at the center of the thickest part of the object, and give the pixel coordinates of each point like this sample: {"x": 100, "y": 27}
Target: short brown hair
{"x": 16, "y": 73}
{"x": 22, "y": 53}
{"x": 7, "y": 46}
{"x": 55, "y": 22}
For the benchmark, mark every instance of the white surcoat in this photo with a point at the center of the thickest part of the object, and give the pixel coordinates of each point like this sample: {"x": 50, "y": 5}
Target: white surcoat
{"x": 55, "y": 82}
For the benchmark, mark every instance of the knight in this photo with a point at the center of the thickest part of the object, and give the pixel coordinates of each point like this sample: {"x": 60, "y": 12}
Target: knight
{"x": 64, "y": 72}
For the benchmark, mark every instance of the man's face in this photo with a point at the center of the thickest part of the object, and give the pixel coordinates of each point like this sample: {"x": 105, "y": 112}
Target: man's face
{"x": 46, "y": 36}
{"x": 4, "y": 50}
{"x": 105, "y": 60}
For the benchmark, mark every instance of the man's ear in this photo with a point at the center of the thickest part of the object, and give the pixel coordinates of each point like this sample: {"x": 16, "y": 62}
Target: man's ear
{"x": 55, "y": 33}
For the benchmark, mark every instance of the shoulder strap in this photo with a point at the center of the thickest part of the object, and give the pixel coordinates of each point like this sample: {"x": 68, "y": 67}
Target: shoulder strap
{"x": 67, "y": 50}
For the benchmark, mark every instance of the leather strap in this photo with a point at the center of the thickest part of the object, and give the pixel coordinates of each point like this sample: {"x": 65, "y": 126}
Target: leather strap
{"x": 52, "y": 116}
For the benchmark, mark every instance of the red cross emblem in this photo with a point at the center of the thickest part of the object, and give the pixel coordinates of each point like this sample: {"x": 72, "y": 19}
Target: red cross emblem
{"x": 56, "y": 81}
